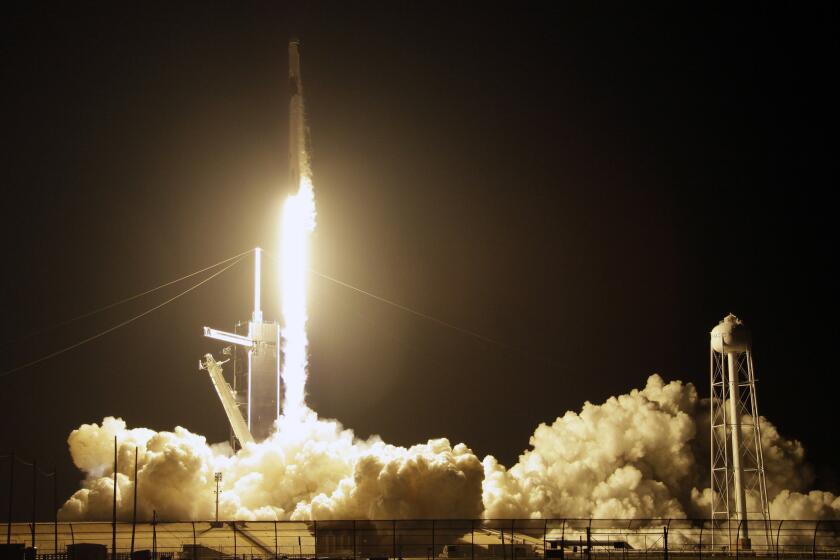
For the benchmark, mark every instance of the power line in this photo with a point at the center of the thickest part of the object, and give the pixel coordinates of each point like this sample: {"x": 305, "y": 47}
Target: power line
{"x": 120, "y": 302}
{"x": 530, "y": 356}
{"x": 22, "y": 461}
{"x": 122, "y": 324}
{"x": 407, "y": 309}
{"x": 413, "y": 311}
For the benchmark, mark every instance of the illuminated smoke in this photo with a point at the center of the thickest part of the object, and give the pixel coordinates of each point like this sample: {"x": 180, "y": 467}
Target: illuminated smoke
{"x": 309, "y": 468}
{"x": 631, "y": 456}
{"x": 813, "y": 505}
{"x": 643, "y": 454}
{"x": 298, "y": 223}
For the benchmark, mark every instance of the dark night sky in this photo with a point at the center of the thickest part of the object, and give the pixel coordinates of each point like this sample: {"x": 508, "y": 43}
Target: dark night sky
{"x": 594, "y": 186}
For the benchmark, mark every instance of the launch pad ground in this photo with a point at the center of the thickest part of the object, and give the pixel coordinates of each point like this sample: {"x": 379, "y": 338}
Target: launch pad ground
{"x": 443, "y": 538}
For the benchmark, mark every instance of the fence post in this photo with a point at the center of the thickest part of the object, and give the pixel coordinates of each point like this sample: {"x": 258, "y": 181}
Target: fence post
{"x": 34, "y": 492}
{"x": 195, "y": 544}
{"x": 114, "y": 511}
{"x": 545, "y": 536}
{"x": 814, "y": 546}
{"x": 393, "y": 538}
{"x": 512, "y": 541}
{"x": 234, "y": 538}
{"x": 134, "y": 504}
{"x": 315, "y": 534}
{"x": 55, "y": 510}
{"x": 11, "y": 501}
{"x": 665, "y": 540}
{"x": 72, "y": 535}
{"x": 472, "y": 539}
{"x": 589, "y": 540}
{"x": 778, "y": 532}
{"x": 626, "y": 534}
{"x": 700, "y": 544}
{"x": 738, "y": 540}
{"x": 563, "y": 540}
{"x": 354, "y": 539}
{"x": 154, "y": 534}
{"x": 275, "y": 539}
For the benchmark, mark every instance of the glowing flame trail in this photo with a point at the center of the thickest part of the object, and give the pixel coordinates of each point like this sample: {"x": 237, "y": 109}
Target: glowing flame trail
{"x": 298, "y": 223}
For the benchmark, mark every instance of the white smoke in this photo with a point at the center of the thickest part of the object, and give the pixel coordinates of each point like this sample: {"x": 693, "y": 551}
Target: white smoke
{"x": 640, "y": 455}
{"x": 813, "y": 505}
{"x": 643, "y": 454}
{"x": 310, "y": 468}
{"x": 629, "y": 457}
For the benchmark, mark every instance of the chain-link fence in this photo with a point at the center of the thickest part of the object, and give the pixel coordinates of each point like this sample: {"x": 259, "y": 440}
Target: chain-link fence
{"x": 483, "y": 539}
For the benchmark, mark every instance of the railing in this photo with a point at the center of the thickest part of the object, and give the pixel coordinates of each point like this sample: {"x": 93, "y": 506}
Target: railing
{"x": 482, "y": 539}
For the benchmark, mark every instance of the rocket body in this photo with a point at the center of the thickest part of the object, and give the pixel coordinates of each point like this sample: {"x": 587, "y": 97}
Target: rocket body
{"x": 298, "y": 131}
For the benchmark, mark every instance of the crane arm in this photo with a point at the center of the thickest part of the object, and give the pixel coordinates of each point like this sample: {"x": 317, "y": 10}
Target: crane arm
{"x": 237, "y": 421}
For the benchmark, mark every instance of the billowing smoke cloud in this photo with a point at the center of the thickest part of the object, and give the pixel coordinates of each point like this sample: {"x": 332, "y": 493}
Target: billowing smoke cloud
{"x": 643, "y": 454}
{"x": 310, "y": 468}
{"x": 813, "y": 505}
{"x": 629, "y": 457}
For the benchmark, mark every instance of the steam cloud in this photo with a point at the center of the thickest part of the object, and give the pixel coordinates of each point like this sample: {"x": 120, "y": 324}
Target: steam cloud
{"x": 309, "y": 468}
{"x": 643, "y": 454}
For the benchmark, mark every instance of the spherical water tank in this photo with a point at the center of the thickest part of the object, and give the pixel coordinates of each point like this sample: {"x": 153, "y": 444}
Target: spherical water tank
{"x": 730, "y": 335}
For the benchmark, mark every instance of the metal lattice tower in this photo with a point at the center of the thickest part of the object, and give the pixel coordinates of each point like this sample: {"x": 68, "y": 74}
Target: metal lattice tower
{"x": 253, "y": 410}
{"x": 739, "y": 491}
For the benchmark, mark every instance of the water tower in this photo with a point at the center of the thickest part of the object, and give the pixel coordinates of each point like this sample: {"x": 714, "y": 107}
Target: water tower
{"x": 739, "y": 491}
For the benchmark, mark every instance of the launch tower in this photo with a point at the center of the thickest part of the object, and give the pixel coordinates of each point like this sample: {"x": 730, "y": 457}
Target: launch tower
{"x": 252, "y": 403}
{"x": 739, "y": 491}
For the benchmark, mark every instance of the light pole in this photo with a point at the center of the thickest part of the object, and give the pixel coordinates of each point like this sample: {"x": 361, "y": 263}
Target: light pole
{"x": 218, "y": 477}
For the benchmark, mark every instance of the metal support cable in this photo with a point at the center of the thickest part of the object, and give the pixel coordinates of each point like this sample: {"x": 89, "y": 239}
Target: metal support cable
{"x": 20, "y": 460}
{"x": 405, "y": 308}
{"x": 122, "y": 301}
{"x": 413, "y": 311}
{"x": 45, "y": 474}
{"x": 530, "y": 356}
{"x": 121, "y": 324}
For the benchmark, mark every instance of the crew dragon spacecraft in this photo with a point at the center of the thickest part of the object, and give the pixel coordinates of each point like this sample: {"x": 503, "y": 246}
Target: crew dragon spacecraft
{"x": 253, "y": 399}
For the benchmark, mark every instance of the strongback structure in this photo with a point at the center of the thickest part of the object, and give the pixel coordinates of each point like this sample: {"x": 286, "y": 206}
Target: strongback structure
{"x": 252, "y": 403}
{"x": 739, "y": 492}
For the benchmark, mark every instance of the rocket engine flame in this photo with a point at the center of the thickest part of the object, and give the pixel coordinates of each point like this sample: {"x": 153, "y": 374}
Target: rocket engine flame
{"x": 298, "y": 223}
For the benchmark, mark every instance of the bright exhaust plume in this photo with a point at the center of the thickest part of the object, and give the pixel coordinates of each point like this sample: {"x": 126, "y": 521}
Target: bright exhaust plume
{"x": 297, "y": 225}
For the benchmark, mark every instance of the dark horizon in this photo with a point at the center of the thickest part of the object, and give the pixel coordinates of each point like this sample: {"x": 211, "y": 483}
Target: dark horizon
{"x": 595, "y": 188}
